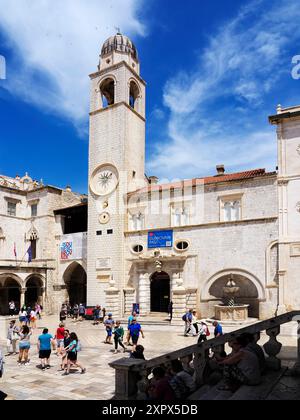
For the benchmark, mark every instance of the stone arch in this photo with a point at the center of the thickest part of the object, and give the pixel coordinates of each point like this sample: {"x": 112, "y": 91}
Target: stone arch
{"x": 252, "y": 291}
{"x": 10, "y": 290}
{"x": 272, "y": 263}
{"x": 107, "y": 89}
{"x": 134, "y": 94}
{"x": 34, "y": 284}
{"x": 75, "y": 279}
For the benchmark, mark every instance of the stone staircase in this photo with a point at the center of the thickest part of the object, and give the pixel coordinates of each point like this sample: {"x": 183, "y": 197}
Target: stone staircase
{"x": 266, "y": 390}
{"x": 282, "y": 380}
{"x": 154, "y": 318}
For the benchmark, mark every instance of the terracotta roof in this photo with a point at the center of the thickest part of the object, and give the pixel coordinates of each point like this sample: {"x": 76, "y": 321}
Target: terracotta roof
{"x": 238, "y": 176}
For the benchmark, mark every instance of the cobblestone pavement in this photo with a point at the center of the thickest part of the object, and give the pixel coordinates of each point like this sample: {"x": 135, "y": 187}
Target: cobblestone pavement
{"x": 31, "y": 383}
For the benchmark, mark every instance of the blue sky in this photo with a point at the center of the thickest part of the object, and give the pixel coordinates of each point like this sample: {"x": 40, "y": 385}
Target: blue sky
{"x": 214, "y": 73}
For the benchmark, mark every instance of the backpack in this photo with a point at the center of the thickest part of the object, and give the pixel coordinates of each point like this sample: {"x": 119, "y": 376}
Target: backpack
{"x": 184, "y": 317}
{"x": 79, "y": 346}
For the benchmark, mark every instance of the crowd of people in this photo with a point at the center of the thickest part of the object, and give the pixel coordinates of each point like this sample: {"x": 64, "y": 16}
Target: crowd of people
{"x": 63, "y": 343}
{"x": 244, "y": 365}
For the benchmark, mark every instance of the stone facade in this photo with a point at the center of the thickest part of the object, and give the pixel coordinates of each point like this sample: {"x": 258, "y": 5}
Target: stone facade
{"x": 38, "y": 280}
{"x": 244, "y": 225}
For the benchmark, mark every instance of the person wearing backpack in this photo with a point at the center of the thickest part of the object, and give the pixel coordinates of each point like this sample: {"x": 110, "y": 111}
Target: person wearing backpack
{"x": 203, "y": 332}
{"x": 118, "y": 336}
{"x": 187, "y": 318}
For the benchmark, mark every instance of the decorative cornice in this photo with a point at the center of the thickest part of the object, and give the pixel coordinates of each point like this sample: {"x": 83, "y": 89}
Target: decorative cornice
{"x": 99, "y": 111}
{"x": 204, "y": 225}
{"x": 115, "y": 67}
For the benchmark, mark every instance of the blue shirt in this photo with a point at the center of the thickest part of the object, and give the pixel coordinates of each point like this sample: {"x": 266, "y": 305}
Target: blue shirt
{"x": 218, "y": 330}
{"x": 135, "y": 330}
{"x": 45, "y": 341}
{"x": 130, "y": 319}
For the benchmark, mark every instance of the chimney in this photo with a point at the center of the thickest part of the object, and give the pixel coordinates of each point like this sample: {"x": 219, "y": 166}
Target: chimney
{"x": 153, "y": 180}
{"x": 220, "y": 170}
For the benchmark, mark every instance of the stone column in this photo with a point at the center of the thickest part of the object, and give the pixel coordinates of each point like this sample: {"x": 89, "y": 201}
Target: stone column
{"x": 281, "y": 280}
{"x": 42, "y": 297}
{"x": 22, "y": 298}
{"x": 129, "y": 300}
{"x": 113, "y": 299}
{"x": 144, "y": 294}
{"x": 179, "y": 299}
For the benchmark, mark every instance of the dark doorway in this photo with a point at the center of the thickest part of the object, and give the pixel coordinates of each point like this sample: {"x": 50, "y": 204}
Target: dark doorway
{"x": 34, "y": 292}
{"x": 10, "y": 291}
{"x": 76, "y": 284}
{"x": 160, "y": 292}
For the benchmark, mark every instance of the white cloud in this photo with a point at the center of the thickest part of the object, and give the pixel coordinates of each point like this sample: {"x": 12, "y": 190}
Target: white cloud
{"x": 56, "y": 45}
{"x": 230, "y": 83}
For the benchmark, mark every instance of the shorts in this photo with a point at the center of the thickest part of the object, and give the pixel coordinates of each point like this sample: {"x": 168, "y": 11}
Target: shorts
{"x": 22, "y": 319}
{"x": 60, "y": 343}
{"x": 135, "y": 339}
{"x": 44, "y": 354}
{"x": 109, "y": 332}
{"x": 24, "y": 346}
{"x": 72, "y": 356}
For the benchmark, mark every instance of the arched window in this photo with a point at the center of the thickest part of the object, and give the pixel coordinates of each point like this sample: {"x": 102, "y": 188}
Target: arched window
{"x": 107, "y": 90}
{"x": 133, "y": 95}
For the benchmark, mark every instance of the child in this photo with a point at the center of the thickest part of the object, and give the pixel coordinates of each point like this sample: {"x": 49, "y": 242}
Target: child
{"x": 109, "y": 324}
{"x": 118, "y": 336}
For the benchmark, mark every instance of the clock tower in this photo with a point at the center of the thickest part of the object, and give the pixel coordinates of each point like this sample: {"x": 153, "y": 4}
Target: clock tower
{"x": 116, "y": 165}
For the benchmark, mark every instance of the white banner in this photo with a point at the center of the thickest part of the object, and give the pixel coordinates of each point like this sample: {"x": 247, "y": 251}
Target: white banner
{"x": 73, "y": 247}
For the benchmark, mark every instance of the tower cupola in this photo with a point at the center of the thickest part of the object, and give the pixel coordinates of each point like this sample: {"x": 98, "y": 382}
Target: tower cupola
{"x": 116, "y": 49}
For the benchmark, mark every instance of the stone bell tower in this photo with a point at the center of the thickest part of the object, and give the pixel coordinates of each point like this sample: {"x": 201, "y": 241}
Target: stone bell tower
{"x": 116, "y": 166}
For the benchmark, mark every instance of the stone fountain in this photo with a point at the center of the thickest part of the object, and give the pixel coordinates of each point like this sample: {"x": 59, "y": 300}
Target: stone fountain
{"x": 230, "y": 311}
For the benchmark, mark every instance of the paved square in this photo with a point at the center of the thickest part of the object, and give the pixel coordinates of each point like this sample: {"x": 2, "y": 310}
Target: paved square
{"x": 31, "y": 383}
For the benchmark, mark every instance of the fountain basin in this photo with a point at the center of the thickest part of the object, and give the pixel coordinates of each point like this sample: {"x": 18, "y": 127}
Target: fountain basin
{"x": 231, "y": 313}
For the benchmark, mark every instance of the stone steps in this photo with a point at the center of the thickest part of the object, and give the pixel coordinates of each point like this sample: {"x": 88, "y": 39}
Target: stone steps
{"x": 259, "y": 392}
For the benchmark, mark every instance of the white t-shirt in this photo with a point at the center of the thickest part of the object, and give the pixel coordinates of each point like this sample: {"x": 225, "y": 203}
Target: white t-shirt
{"x": 32, "y": 314}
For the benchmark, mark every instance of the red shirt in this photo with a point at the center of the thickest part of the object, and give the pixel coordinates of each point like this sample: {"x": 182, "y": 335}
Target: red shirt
{"x": 60, "y": 333}
{"x": 163, "y": 390}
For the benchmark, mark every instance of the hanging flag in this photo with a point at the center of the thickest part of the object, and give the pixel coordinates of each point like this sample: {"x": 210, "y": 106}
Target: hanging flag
{"x": 15, "y": 250}
{"x": 29, "y": 252}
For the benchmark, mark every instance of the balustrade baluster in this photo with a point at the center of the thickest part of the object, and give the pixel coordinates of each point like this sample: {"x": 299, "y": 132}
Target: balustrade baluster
{"x": 200, "y": 362}
{"x": 272, "y": 348}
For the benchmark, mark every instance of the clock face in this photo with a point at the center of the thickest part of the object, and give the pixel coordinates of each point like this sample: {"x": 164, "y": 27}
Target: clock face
{"x": 104, "y": 180}
{"x": 104, "y": 218}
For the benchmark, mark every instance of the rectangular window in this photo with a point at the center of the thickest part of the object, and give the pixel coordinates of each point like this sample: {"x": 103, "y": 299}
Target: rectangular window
{"x": 232, "y": 211}
{"x": 34, "y": 210}
{"x": 11, "y": 209}
{"x": 180, "y": 216}
{"x": 137, "y": 221}
{"x": 110, "y": 232}
{"x": 99, "y": 233}
{"x": 33, "y": 249}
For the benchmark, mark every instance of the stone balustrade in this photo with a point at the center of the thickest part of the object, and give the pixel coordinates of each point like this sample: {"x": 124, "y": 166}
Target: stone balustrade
{"x": 130, "y": 371}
